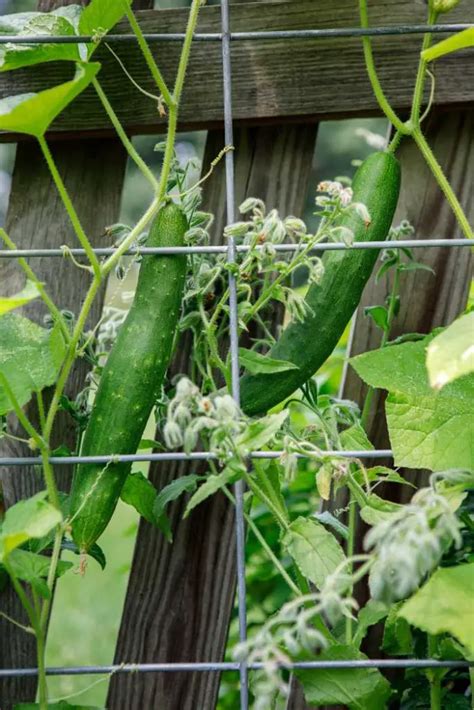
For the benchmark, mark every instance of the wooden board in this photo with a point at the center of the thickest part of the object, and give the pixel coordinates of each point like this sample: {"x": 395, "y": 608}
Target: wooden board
{"x": 272, "y": 80}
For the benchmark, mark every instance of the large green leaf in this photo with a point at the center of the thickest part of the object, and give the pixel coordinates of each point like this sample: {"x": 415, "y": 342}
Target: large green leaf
{"x": 314, "y": 549}
{"x": 428, "y": 429}
{"x": 9, "y": 303}
{"x": 34, "y": 113}
{"x": 27, "y": 519}
{"x": 25, "y": 24}
{"x": 29, "y": 358}
{"x": 356, "y": 688}
{"x": 99, "y": 17}
{"x": 33, "y": 569}
{"x": 445, "y": 604}
{"x": 451, "y": 353}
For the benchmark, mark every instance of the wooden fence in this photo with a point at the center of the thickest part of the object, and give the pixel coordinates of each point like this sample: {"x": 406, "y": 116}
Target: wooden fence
{"x": 180, "y": 597}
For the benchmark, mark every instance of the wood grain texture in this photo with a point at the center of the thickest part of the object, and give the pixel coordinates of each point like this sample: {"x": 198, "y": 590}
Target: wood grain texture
{"x": 94, "y": 173}
{"x": 180, "y": 596}
{"x": 273, "y": 79}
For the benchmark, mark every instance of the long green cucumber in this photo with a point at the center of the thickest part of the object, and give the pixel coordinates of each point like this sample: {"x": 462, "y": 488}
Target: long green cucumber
{"x": 309, "y": 343}
{"x": 131, "y": 380}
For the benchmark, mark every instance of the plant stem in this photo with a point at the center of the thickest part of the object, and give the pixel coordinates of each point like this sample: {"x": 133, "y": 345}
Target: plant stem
{"x": 50, "y": 480}
{"x": 30, "y": 274}
{"x": 434, "y": 677}
{"x": 442, "y": 181}
{"x": 186, "y": 50}
{"x": 51, "y": 578}
{"x": 352, "y": 522}
{"x": 40, "y": 405}
{"x": 372, "y": 72}
{"x": 265, "y": 546}
{"x": 42, "y": 681}
{"x": 142, "y": 43}
{"x": 58, "y": 181}
{"x": 127, "y": 143}
{"x": 421, "y": 75}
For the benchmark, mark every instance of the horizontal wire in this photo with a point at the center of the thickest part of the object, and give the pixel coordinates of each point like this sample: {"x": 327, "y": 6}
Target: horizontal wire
{"x": 232, "y": 666}
{"x": 242, "y": 248}
{"x": 244, "y": 36}
{"x": 178, "y": 456}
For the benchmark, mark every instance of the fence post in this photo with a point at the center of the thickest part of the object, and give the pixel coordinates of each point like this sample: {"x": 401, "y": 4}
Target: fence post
{"x": 94, "y": 172}
{"x": 180, "y": 596}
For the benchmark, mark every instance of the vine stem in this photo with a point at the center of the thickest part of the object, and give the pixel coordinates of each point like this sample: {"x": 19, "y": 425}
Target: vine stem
{"x": 372, "y": 72}
{"x": 442, "y": 181}
{"x": 22, "y": 418}
{"x": 142, "y": 43}
{"x": 350, "y": 552}
{"x": 434, "y": 677}
{"x": 265, "y": 546}
{"x": 127, "y": 143}
{"x": 58, "y": 181}
{"x": 421, "y": 74}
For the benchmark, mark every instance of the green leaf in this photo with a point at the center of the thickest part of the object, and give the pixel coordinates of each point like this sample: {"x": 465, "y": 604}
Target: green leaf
{"x": 262, "y": 364}
{"x": 445, "y": 605}
{"x": 378, "y": 509}
{"x": 451, "y": 353}
{"x": 379, "y": 315}
{"x": 29, "y": 358}
{"x": 211, "y": 485}
{"x": 184, "y": 484}
{"x": 267, "y": 473}
{"x": 62, "y": 705}
{"x": 31, "y": 518}
{"x": 356, "y": 688}
{"x": 34, "y": 113}
{"x": 33, "y": 569}
{"x": 397, "y": 635}
{"x": 99, "y": 17}
{"x": 260, "y": 432}
{"x": 373, "y": 612}
{"x": 14, "y": 56}
{"x": 461, "y": 40}
{"x": 314, "y": 549}
{"x": 330, "y": 521}
{"x": 355, "y": 439}
{"x": 427, "y": 429}
{"x": 141, "y": 494}
{"x": 9, "y": 303}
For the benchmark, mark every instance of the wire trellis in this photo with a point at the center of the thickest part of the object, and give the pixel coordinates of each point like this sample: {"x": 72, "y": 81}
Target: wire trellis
{"x": 226, "y": 37}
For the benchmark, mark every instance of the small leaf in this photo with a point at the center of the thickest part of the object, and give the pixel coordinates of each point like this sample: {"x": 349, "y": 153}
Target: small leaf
{"x": 373, "y": 612}
{"x": 445, "y": 605}
{"x": 99, "y": 17}
{"x": 324, "y": 479}
{"x": 330, "y": 521}
{"x": 34, "y": 113}
{"x": 29, "y": 358}
{"x": 31, "y": 518}
{"x": 354, "y": 688}
{"x": 9, "y": 303}
{"x": 397, "y": 636}
{"x": 461, "y": 40}
{"x": 258, "y": 364}
{"x": 355, "y": 439}
{"x": 379, "y": 315}
{"x": 314, "y": 549}
{"x": 211, "y": 485}
{"x": 140, "y": 493}
{"x": 451, "y": 353}
{"x": 260, "y": 432}
{"x": 33, "y": 569}
{"x": 183, "y": 484}
{"x": 96, "y": 552}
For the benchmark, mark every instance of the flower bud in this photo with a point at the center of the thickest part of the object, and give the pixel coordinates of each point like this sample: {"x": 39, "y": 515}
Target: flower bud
{"x": 238, "y": 229}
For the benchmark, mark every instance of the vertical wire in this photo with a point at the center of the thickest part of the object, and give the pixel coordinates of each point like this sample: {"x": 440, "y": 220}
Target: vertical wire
{"x": 234, "y": 338}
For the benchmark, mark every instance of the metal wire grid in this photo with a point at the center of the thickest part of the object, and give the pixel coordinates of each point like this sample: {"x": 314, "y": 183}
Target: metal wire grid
{"x": 231, "y": 250}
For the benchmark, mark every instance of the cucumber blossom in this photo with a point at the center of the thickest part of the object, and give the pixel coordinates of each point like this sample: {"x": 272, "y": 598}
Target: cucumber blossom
{"x": 332, "y": 302}
{"x": 131, "y": 379}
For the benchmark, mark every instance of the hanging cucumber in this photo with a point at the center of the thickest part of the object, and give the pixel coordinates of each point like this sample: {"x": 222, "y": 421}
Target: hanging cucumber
{"x": 131, "y": 380}
{"x": 309, "y": 343}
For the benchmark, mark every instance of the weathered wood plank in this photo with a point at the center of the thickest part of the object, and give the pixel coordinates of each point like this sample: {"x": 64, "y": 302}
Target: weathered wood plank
{"x": 94, "y": 173}
{"x": 180, "y": 596}
{"x": 273, "y": 79}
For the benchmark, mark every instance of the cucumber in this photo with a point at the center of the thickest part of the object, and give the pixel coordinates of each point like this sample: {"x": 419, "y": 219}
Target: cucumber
{"x": 131, "y": 380}
{"x": 309, "y": 343}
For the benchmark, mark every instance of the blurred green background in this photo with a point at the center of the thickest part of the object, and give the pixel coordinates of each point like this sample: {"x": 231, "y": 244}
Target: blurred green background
{"x": 87, "y": 610}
